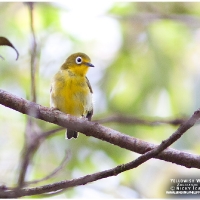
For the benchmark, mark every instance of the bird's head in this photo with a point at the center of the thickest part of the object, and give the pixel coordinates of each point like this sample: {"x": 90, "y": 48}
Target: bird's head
{"x": 77, "y": 63}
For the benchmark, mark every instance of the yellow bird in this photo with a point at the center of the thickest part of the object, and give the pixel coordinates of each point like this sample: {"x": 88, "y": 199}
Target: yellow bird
{"x": 71, "y": 91}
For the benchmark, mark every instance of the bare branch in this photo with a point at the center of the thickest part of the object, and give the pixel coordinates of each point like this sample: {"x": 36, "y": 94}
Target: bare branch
{"x": 53, "y": 173}
{"x": 107, "y": 173}
{"x": 96, "y": 130}
{"x": 32, "y": 143}
{"x": 31, "y": 132}
{"x": 47, "y": 134}
{"x": 30, "y": 147}
{"x": 33, "y": 52}
{"x": 123, "y": 119}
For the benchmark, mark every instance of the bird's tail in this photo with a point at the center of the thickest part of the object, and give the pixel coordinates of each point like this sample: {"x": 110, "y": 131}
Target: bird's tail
{"x": 71, "y": 134}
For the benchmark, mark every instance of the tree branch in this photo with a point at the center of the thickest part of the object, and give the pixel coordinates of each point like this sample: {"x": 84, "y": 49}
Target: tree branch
{"x": 107, "y": 173}
{"x": 122, "y": 119}
{"x": 53, "y": 173}
{"x": 33, "y": 52}
{"x": 30, "y": 144}
{"x": 99, "y": 131}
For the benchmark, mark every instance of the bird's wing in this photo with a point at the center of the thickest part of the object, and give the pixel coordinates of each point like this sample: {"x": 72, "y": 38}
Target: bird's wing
{"x": 89, "y": 113}
{"x": 88, "y": 83}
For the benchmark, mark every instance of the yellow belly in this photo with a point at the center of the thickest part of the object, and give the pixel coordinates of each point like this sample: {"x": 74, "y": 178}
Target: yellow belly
{"x": 71, "y": 94}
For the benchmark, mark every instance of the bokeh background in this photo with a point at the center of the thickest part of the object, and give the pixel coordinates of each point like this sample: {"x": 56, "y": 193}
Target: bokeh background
{"x": 146, "y": 58}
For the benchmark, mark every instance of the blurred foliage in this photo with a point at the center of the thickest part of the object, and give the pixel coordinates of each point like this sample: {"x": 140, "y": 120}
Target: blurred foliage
{"x": 147, "y": 64}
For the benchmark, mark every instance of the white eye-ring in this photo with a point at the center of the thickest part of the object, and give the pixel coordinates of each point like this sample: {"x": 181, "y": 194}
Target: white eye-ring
{"x": 78, "y": 60}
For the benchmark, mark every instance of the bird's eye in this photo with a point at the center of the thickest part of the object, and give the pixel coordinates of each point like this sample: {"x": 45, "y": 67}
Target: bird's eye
{"x": 78, "y": 60}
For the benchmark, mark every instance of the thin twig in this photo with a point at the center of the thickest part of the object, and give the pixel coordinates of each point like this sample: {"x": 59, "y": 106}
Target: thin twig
{"x": 47, "y": 134}
{"x": 33, "y": 52}
{"x": 54, "y": 172}
{"x": 30, "y": 149}
{"x": 30, "y": 145}
{"x": 123, "y": 119}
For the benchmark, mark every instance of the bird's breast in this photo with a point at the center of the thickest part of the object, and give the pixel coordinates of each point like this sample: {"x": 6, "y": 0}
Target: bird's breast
{"x": 71, "y": 94}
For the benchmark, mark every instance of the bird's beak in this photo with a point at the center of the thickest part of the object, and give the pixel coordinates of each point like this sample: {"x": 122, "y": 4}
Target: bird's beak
{"x": 89, "y": 65}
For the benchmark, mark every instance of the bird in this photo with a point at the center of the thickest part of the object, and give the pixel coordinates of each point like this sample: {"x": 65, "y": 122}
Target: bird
{"x": 70, "y": 91}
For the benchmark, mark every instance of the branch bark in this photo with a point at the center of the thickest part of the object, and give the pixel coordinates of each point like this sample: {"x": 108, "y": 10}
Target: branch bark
{"x": 122, "y": 119}
{"x": 98, "y": 131}
{"x": 107, "y": 173}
